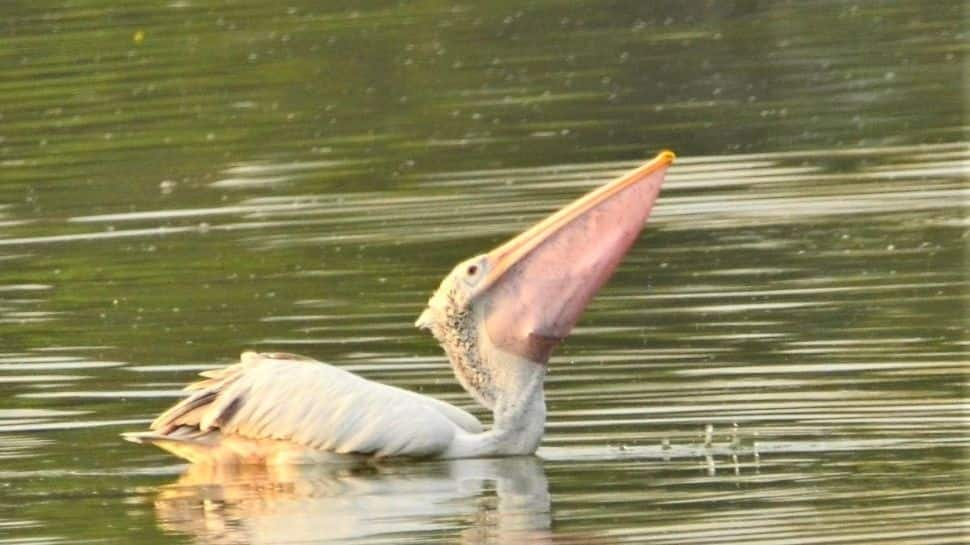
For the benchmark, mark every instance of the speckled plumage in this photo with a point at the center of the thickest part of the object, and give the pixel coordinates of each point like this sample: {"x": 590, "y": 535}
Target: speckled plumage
{"x": 459, "y": 337}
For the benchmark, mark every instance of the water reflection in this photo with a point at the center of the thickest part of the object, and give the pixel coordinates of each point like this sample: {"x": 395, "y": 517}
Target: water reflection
{"x": 375, "y": 503}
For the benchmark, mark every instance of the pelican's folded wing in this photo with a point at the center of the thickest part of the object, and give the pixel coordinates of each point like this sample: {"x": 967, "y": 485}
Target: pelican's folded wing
{"x": 315, "y": 405}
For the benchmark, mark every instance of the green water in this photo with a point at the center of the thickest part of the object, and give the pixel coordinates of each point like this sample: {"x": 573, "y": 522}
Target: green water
{"x": 180, "y": 181}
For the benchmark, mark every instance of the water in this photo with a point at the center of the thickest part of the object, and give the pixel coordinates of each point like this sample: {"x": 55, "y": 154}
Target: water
{"x": 781, "y": 359}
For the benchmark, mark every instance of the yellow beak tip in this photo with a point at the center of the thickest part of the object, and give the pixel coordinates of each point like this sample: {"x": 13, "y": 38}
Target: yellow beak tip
{"x": 667, "y": 156}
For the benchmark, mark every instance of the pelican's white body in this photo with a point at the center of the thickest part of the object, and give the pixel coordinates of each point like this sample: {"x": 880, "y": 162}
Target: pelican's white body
{"x": 280, "y": 408}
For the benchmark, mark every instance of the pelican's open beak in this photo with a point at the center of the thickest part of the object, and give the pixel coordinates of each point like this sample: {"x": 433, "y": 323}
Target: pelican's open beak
{"x": 538, "y": 283}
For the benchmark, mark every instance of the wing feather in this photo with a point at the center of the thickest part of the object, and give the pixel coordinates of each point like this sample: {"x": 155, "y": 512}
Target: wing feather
{"x": 295, "y": 399}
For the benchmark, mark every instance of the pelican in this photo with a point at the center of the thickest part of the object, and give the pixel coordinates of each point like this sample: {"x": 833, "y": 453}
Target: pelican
{"x": 498, "y": 316}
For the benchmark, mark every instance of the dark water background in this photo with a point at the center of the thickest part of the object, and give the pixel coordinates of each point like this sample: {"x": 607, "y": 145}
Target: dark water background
{"x": 781, "y": 359}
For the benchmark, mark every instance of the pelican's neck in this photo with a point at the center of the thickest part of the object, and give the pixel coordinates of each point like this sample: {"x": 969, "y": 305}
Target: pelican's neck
{"x": 508, "y": 384}
{"x": 518, "y": 409}
{"x": 519, "y": 398}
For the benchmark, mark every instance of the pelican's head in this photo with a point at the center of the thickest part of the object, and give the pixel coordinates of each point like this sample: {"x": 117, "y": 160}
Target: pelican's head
{"x": 524, "y": 296}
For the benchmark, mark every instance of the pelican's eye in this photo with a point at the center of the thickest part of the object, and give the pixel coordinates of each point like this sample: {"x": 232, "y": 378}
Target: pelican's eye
{"x": 471, "y": 272}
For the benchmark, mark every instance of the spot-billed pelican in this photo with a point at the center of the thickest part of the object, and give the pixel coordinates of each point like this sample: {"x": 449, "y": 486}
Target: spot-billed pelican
{"x": 498, "y": 317}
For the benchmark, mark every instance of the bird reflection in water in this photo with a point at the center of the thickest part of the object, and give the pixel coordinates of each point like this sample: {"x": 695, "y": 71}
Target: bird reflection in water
{"x": 497, "y": 500}
{"x": 360, "y": 499}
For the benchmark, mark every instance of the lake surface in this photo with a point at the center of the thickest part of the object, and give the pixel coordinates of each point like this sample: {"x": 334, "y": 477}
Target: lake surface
{"x": 782, "y": 358}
